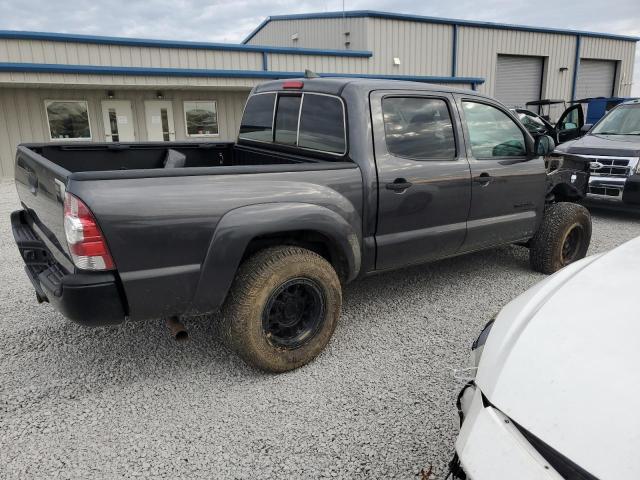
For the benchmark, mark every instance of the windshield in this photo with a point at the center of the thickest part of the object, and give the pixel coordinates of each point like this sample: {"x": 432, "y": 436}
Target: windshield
{"x": 624, "y": 120}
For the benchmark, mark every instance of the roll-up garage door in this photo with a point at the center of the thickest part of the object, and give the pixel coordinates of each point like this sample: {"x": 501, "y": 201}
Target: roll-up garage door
{"x": 518, "y": 79}
{"x": 595, "y": 78}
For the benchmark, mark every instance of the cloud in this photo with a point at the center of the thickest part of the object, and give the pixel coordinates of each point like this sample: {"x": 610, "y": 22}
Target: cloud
{"x": 231, "y": 21}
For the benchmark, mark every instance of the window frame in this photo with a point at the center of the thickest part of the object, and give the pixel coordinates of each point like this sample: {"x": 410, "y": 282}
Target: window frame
{"x": 47, "y": 102}
{"x": 528, "y": 139}
{"x": 447, "y": 101}
{"x": 296, "y": 147}
{"x": 200, "y": 135}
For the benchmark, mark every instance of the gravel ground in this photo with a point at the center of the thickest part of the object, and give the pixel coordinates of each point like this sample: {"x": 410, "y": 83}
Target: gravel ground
{"x": 127, "y": 401}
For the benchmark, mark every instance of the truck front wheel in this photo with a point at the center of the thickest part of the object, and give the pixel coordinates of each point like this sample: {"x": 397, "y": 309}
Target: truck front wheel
{"x": 563, "y": 237}
{"x": 282, "y": 308}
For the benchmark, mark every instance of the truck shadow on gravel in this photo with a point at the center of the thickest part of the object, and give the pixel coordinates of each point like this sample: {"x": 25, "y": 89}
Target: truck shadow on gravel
{"x": 615, "y": 212}
{"x": 139, "y": 351}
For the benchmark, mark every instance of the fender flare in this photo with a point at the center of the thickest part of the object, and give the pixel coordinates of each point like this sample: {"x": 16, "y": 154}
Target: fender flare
{"x": 238, "y": 227}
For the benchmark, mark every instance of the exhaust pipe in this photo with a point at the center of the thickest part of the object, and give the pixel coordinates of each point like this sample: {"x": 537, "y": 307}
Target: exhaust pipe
{"x": 177, "y": 329}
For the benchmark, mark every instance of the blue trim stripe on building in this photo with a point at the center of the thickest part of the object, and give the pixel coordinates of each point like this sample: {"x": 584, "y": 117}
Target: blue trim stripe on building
{"x": 194, "y": 72}
{"x": 425, "y": 19}
{"x": 145, "y": 42}
{"x": 576, "y": 67}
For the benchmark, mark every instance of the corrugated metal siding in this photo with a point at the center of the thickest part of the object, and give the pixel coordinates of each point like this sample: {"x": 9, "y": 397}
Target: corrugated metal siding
{"x": 478, "y": 50}
{"x": 323, "y": 33}
{"x": 423, "y": 48}
{"x": 608, "y": 49}
{"x": 317, "y": 63}
{"x": 38, "y": 51}
{"x": 23, "y": 118}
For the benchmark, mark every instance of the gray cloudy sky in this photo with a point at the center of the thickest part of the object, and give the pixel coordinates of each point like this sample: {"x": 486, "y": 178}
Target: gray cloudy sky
{"x": 228, "y": 21}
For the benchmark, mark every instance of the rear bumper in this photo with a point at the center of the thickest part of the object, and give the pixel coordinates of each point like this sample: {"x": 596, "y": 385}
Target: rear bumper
{"x": 91, "y": 298}
{"x": 615, "y": 189}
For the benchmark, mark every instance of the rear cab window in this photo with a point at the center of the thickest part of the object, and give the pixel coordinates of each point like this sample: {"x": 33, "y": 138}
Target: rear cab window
{"x": 257, "y": 121}
{"x": 305, "y": 120}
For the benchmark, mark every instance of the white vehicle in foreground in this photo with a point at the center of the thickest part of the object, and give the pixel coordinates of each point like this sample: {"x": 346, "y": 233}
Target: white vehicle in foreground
{"x": 557, "y": 386}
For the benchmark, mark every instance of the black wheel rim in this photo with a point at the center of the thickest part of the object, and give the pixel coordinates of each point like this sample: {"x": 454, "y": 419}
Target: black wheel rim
{"x": 294, "y": 313}
{"x": 572, "y": 244}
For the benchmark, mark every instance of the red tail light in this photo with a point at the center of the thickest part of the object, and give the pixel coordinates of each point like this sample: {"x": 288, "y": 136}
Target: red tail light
{"x": 293, "y": 84}
{"x": 87, "y": 245}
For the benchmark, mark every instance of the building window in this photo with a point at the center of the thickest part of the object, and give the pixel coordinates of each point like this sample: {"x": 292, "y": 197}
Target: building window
{"x": 201, "y": 118}
{"x": 68, "y": 119}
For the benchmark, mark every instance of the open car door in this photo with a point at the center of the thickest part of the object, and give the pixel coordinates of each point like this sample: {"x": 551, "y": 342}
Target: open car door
{"x": 570, "y": 124}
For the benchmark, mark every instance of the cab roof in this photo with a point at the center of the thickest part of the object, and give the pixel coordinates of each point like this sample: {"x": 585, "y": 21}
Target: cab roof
{"x": 335, "y": 85}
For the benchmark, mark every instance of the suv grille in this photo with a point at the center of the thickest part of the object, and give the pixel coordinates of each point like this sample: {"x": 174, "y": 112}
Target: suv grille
{"x": 606, "y": 191}
{"x": 610, "y": 167}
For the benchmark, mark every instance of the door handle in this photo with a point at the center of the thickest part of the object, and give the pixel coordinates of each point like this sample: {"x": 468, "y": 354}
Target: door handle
{"x": 483, "y": 179}
{"x": 399, "y": 185}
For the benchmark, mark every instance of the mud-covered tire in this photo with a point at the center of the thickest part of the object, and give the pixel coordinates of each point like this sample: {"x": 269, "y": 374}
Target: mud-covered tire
{"x": 259, "y": 282}
{"x": 562, "y": 238}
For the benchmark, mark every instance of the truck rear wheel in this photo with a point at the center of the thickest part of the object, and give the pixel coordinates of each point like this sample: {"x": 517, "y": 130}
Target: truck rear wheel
{"x": 282, "y": 308}
{"x": 563, "y": 237}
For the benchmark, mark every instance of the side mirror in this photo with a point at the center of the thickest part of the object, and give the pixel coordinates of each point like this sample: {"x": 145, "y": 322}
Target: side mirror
{"x": 544, "y": 145}
{"x": 586, "y": 127}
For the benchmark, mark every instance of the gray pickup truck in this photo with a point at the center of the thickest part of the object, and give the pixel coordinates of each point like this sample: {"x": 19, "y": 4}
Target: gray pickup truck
{"x": 330, "y": 180}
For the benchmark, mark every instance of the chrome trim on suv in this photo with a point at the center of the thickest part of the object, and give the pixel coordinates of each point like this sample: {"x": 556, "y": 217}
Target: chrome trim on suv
{"x": 608, "y": 175}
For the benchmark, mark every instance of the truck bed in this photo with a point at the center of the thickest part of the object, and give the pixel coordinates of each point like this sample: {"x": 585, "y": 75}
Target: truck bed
{"x": 101, "y": 157}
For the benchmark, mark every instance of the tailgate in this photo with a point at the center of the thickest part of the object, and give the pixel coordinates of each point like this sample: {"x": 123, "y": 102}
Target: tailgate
{"x": 41, "y": 187}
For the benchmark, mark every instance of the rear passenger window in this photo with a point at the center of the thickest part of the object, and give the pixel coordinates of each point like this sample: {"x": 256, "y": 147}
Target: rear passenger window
{"x": 258, "y": 118}
{"x": 287, "y": 113}
{"x": 492, "y": 133}
{"x": 322, "y": 124}
{"x": 418, "y": 128}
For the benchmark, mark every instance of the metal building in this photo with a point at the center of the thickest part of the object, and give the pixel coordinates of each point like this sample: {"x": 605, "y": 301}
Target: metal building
{"x": 61, "y": 87}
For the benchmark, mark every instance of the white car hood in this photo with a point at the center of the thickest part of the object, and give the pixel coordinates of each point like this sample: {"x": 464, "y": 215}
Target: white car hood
{"x": 563, "y": 361}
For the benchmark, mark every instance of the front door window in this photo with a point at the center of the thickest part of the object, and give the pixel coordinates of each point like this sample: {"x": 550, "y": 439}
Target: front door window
{"x": 492, "y": 133}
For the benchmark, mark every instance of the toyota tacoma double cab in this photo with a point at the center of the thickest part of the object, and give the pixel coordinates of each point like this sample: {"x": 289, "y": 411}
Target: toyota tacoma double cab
{"x": 330, "y": 180}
